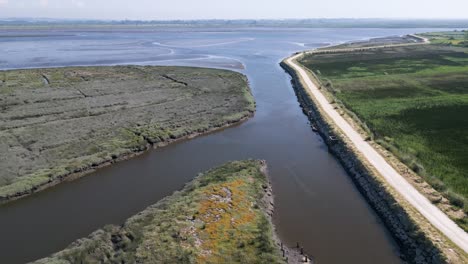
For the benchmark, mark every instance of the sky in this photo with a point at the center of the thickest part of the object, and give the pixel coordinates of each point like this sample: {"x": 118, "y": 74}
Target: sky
{"x": 233, "y": 9}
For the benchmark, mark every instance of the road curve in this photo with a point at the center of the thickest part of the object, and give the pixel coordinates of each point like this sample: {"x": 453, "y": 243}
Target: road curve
{"x": 433, "y": 214}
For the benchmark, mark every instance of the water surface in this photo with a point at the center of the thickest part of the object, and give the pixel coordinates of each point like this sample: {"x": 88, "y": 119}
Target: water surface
{"x": 316, "y": 202}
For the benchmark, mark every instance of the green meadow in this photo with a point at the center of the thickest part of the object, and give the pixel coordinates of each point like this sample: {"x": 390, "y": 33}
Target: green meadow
{"x": 414, "y": 100}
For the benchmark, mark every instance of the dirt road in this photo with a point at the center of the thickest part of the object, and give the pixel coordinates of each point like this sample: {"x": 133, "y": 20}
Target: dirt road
{"x": 433, "y": 214}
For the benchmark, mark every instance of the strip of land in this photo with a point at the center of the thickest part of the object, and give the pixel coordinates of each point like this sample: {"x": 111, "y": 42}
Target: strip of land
{"x": 411, "y": 101}
{"x": 222, "y": 216}
{"x": 432, "y": 213}
{"x": 58, "y": 124}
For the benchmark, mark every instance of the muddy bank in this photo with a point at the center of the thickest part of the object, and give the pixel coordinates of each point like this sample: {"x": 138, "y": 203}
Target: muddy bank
{"x": 60, "y": 124}
{"x": 415, "y": 245}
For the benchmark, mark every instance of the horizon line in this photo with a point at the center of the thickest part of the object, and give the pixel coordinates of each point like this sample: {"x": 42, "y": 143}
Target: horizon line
{"x": 238, "y": 19}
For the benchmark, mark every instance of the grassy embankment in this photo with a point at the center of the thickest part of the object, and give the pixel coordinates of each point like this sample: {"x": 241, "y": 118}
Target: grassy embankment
{"x": 220, "y": 217}
{"x": 413, "y": 101}
{"x": 56, "y": 124}
{"x": 454, "y": 38}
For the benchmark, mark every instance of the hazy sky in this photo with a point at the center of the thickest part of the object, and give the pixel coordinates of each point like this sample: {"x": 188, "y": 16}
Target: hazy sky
{"x": 232, "y": 9}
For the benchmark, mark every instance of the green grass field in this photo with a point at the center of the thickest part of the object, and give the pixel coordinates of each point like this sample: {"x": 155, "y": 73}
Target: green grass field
{"x": 220, "y": 217}
{"x": 452, "y": 38}
{"x": 414, "y": 100}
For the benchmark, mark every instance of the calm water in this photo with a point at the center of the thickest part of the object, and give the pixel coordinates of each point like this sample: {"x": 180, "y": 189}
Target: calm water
{"x": 316, "y": 203}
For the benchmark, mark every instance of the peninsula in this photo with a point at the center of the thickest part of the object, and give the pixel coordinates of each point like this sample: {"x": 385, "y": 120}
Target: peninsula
{"x": 61, "y": 123}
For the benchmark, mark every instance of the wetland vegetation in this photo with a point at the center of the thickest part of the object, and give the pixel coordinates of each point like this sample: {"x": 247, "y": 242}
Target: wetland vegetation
{"x": 222, "y": 216}
{"x": 60, "y": 122}
{"x": 413, "y": 101}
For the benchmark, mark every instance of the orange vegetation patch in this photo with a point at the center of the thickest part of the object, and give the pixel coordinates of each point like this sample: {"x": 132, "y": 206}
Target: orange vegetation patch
{"x": 228, "y": 214}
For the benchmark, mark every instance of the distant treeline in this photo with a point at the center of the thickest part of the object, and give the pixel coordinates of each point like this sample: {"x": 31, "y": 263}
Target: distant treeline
{"x": 312, "y": 23}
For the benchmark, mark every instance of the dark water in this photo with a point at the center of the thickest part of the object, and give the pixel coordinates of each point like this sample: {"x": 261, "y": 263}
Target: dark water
{"x": 316, "y": 203}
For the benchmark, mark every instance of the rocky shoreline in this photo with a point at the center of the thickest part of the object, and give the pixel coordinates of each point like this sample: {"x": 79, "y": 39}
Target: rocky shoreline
{"x": 290, "y": 254}
{"x": 415, "y": 246}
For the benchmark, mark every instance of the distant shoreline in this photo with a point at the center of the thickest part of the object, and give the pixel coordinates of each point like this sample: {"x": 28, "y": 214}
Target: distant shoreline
{"x": 24, "y": 23}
